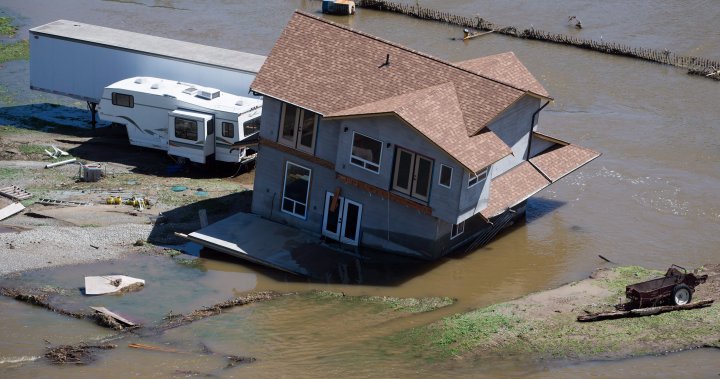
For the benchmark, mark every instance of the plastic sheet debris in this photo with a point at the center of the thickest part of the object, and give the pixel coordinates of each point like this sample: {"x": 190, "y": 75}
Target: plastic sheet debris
{"x": 100, "y": 285}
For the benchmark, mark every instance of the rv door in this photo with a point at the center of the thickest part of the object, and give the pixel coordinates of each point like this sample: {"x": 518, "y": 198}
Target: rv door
{"x": 188, "y": 135}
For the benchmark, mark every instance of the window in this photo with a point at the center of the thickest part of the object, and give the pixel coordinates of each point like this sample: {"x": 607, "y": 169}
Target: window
{"x": 366, "y": 152}
{"x": 186, "y": 129}
{"x": 211, "y": 127}
{"x": 298, "y": 128}
{"x": 296, "y": 190}
{"x": 479, "y": 177}
{"x": 457, "y": 229}
{"x": 228, "y": 129}
{"x": 445, "y": 176}
{"x": 123, "y": 100}
{"x": 251, "y": 126}
{"x": 413, "y": 174}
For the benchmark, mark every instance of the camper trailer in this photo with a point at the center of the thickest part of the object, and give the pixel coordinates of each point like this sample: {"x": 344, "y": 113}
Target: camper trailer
{"x": 186, "y": 120}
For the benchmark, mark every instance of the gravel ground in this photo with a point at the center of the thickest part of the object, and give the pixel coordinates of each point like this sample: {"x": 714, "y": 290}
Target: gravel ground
{"x": 45, "y": 246}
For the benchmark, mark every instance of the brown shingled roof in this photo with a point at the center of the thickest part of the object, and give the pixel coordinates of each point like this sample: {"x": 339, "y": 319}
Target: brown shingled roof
{"x": 430, "y": 107}
{"x": 506, "y": 68}
{"x": 327, "y": 68}
{"x": 513, "y": 187}
{"x": 563, "y": 160}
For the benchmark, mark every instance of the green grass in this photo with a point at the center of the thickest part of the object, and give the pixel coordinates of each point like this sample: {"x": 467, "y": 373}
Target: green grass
{"x": 508, "y": 329}
{"x": 8, "y": 173}
{"x": 6, "y": 130}
{"x": 628, "y": 275}
{"x": 405, "y": 305}
{"x": 30, "y": 149}
{"x": 7, "y": 29}
{"x": 14, "y": 51}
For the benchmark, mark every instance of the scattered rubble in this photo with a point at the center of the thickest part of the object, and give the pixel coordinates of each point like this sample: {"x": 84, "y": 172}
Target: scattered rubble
{"x": 81, "y": 354}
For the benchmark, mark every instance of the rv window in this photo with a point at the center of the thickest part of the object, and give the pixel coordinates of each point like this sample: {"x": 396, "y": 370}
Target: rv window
{"x": 211, "y": 127}
{"x": 186, "y": 129}
{"x": 366, "y": 152}
{"x": 252, "y": 126}
{"x": 228, "y": 129}
{"x": 123, "y": 100}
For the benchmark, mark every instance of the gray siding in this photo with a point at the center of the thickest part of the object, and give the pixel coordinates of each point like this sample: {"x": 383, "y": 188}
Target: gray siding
{"x": 394, "y": 132}
{"x": 270, "y": 122}
{"x": 268, "y": 189}
{"x": 385, "y": 224}
{"x": 326, "y": 145}
{"x": 513, "y": 127}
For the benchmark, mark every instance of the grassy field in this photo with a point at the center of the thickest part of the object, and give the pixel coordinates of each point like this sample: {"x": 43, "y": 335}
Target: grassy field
{"x": 542, "y": 326}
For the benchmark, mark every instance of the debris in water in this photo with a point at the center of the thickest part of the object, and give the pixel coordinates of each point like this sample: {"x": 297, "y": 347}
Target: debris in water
{"x": 100, "y": 285}
{"x": 576, "y": 22}
{"x": 106, "y": 312}
{"x": 39, "y": 299}
{"x": 174, "y": 321}
{"x": 235, "y": 360}
{"x": 79, "y": 354}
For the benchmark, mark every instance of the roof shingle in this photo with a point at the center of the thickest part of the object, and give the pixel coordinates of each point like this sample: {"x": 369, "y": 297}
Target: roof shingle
{"x": 427, "y": 108}
{"x": 327, "y": 68}
{"x": 506, "y": 68}
{"x": 513, "y": 187}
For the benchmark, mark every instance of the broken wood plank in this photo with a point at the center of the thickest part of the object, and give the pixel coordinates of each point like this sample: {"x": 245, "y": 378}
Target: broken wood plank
{"x": 468, "y": 36}
{"x": 15, "y": 193}
{"x": 643, "y": 311}
{"x": 114, "y": 315}
{"x": 10, "y": 210}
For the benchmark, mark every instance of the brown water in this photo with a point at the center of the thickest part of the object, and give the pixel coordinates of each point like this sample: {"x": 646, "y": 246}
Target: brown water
{"x": 651, "y": 199}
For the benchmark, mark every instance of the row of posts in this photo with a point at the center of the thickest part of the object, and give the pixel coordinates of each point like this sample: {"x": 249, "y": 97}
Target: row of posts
{"x": 696, "y": 65}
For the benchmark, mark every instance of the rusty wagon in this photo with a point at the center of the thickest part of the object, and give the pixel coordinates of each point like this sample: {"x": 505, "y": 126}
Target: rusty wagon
{"x": 676, "y": 287}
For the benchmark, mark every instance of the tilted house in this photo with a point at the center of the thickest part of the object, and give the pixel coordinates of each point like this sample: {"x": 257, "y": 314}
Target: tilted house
{"x": 373, "y": 144}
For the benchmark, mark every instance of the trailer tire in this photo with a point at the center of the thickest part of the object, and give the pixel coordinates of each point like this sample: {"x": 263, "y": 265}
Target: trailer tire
{"x": 681, "y": 294}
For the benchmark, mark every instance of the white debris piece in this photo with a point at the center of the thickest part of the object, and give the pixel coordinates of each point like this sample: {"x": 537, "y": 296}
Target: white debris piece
{"x": 100, "y": 285}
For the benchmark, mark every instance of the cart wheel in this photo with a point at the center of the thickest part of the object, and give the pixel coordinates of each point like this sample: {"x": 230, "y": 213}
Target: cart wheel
{"x": 681, "y": 294}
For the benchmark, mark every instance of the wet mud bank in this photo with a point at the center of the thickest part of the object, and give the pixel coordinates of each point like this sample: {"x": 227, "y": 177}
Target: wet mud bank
{"x": 545, "y": 325}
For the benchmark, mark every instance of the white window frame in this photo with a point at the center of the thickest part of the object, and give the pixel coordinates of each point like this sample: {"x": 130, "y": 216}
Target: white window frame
{"x": 365, "y": 162}
{"x": 223, "y": 125}
{"x": 297, "y": 129}
{"x": 415, "y": 161}
{"x": 457, "y": 229}
{"x": 478, "y": 177}
{"x": 449, "y": 185}
{"x": 307, "y": 194}
{"x": 185, "y": 128}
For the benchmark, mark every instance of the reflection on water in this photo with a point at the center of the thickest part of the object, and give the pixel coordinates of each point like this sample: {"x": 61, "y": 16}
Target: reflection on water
{"x": 651, "y": 199}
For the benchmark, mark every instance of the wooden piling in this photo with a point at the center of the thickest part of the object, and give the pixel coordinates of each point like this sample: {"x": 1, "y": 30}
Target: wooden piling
{"x": 696, "y": 66}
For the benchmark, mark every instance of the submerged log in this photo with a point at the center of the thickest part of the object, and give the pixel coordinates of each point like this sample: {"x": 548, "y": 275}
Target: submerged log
{"x": 643, "y": 311}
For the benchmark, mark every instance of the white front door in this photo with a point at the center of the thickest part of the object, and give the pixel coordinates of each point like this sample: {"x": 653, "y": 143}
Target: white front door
{"x": 341, "y": 220}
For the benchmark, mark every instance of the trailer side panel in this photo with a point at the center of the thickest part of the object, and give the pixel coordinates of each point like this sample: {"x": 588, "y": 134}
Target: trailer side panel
{"x": 80, "y": 62}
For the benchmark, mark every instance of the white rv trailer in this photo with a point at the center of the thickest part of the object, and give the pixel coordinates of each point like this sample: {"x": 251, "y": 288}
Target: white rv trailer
{"x": 184, "y": 119}
{"x": 78, "y": 60}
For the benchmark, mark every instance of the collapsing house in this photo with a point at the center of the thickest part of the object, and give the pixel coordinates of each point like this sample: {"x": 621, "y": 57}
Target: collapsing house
{"x": 373, "y": 144}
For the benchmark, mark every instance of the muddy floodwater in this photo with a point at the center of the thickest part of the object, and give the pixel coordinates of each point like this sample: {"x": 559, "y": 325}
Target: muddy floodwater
{"x": 652, "y": 198}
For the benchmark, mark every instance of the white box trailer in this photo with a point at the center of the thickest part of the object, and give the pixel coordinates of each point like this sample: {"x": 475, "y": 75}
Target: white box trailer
{"x": 79, "y": 60}
{"x": 186, "y": 120}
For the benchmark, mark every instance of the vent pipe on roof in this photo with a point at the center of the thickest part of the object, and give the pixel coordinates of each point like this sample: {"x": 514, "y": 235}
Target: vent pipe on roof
{"x": 387, "y": 62}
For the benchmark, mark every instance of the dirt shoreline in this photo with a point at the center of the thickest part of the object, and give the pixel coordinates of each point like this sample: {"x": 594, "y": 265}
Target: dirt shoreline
{"x": 544, "y": 325}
